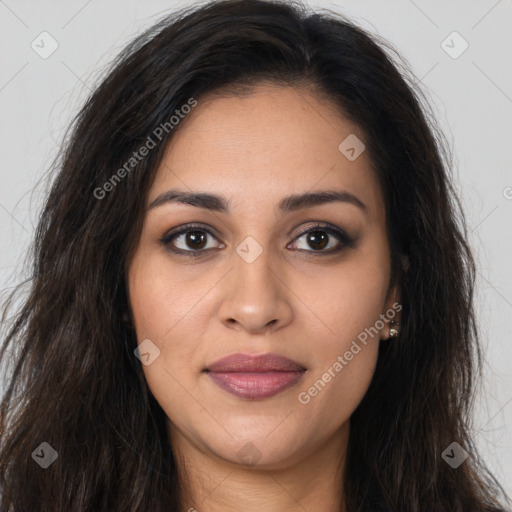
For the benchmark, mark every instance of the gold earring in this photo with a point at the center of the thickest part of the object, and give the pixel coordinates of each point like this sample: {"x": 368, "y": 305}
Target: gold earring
{"x": 395, "y": 329}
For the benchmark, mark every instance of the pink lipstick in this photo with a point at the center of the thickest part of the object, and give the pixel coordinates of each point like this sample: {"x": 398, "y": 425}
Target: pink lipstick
{"x": 255, "y": 377}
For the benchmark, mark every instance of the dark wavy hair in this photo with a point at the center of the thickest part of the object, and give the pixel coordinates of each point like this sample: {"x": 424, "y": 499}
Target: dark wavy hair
{"x": 75, "y": 382}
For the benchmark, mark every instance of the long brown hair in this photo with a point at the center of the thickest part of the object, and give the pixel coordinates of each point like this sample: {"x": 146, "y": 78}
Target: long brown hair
{"x": 75, "y": 382}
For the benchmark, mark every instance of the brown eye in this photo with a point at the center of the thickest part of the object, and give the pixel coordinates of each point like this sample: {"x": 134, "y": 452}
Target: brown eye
{"x": 195, "y": 239}
{"x": 323, "y": 239}
{"x": 317, "y": 239}
{"x": 190, "y": 241}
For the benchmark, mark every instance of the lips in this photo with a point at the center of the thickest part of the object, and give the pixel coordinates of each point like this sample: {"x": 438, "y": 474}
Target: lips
{"x": 248, "y": 363}
{"x": 255, "y": 377}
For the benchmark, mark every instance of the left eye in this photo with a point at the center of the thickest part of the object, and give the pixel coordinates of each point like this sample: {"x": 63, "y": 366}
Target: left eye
{"x": 319, "y": 239}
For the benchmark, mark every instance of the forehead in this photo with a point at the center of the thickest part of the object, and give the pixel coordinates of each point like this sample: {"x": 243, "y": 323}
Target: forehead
{"x": 261, "y": 146}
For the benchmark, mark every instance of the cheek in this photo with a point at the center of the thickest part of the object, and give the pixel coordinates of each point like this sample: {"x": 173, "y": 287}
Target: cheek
{"x": 161, "y": 296}
{"x": 346, "y": 350}
{"x": 162, "y": 302}
{"x": 349, "y": 305}
{"x": 330, "y": 397}
{"x": 344, "y": 303}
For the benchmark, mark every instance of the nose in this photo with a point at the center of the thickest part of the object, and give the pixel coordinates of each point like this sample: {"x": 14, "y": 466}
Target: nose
{"x": 255, "y": 298}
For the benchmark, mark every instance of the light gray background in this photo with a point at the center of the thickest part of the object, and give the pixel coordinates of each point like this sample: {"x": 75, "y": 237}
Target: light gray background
{"x": 472, "y": 96}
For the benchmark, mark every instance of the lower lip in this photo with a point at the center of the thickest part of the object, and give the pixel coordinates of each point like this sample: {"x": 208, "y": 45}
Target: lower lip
{"x": 255, "y": 385}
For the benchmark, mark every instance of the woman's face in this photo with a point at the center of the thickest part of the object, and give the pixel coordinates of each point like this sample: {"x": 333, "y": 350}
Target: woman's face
{"x": 269, "y": 281}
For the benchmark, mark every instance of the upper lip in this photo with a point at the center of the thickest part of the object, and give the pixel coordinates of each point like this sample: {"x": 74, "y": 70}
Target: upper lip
{"x": 249, "y": 363}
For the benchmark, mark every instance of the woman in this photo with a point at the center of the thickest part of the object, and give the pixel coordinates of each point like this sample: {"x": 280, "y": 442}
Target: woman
{"x": 251, "y": 286}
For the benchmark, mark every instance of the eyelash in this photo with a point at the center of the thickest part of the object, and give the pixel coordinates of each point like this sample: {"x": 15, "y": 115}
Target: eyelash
{"x": 345, "y": 240}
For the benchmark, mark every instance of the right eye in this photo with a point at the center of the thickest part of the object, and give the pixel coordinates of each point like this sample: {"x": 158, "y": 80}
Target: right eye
{"x": 190, "y": 241}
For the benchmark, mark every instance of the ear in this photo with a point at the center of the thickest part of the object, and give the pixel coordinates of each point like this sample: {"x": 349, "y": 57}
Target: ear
{"x": 391, "y": 315}
{"x": 393, "y": 306}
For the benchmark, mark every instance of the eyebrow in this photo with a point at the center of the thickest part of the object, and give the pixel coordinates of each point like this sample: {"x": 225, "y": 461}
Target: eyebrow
{"x": 289, "y": 204}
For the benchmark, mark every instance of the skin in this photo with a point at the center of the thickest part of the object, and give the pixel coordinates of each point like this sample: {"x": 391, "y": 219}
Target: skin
{"x": 256, "y": 150}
